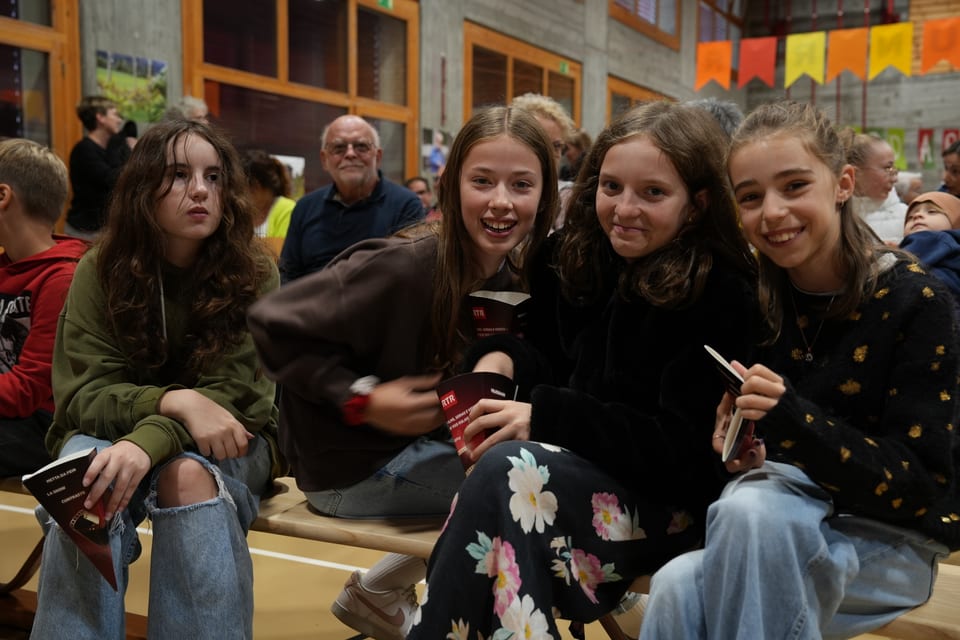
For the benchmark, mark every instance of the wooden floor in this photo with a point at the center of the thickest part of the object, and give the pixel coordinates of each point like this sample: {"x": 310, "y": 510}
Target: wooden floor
{"x": 295, "y": 580}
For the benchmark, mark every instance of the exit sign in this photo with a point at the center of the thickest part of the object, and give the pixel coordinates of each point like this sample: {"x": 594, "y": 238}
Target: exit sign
{"x": 386, "y": 4}
{"x": 564, "y": 68}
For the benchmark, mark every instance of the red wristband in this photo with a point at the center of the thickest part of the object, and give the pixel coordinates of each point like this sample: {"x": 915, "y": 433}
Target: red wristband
{"x": 355, "y": 410}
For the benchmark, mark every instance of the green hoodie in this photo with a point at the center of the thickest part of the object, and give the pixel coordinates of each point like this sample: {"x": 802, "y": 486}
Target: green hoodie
{"x": 99, "y": 393}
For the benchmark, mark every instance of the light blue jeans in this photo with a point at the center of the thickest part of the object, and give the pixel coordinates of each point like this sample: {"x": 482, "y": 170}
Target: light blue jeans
{"x": 779, "y": 564}
{"x": 201, "y": 575}
{"x": 420, "y": 481}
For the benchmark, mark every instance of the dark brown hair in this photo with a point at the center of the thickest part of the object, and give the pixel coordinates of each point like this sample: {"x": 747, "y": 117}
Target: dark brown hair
{"x": 225, "y": 279}
{"x": 675, "y": 274}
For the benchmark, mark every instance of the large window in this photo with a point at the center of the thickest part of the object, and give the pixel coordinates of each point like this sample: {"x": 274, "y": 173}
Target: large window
{"x": 39, "y": 73}
{"x": 275, "y": 72}
{"x": 658, "y": 19}
{"x": 622, "y": 95}
{"x": 721, "y": 20}
{"x": 498, "y": 68}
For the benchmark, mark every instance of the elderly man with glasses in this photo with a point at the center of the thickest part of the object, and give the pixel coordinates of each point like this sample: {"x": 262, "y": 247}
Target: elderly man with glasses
{"x": 359, "y": 204}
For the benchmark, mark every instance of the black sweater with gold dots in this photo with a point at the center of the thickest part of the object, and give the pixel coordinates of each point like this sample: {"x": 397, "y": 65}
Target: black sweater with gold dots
{"x": 872, "y": 418}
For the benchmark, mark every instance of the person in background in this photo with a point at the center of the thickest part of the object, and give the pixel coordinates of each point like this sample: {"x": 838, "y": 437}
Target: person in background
{"x": 951, "y": 169}
{"x": 189, "y": 108}
{"x": 606, "y": 472}
{"x": 438, "y": 155}
{"x": 838, "y": 517}
{"x": 727, "y": 112}
{"x": 876, "y": 199}
{"x": 932, "y": 233}
{"x": 360, "y": 346}
{"x": 270, "y": 192}
{"x": 421, "y": 186}
{"x": 359, "y": 204}
{"x": 154, "y": 367}
{"x": 558, "y": 126}
{"x": 36, "y": 268}
{"x": 909, "y": 185}
{"x": 578, "y": 144}
{"x": 95, "y": 163}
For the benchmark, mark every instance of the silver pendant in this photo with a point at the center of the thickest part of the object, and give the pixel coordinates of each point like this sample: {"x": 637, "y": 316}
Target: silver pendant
{"x": 808, "y": 357}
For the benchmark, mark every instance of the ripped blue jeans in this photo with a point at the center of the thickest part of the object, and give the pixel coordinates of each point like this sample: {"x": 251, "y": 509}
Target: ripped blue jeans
{"x": 201, "y": 574}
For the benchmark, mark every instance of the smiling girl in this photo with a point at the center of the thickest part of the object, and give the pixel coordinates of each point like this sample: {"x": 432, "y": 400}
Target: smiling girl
{"x": 843, "y": 511}
{"x": 649, "y": 267}
{"x": 154, "y": 366}
{"x": 360, "y": 347}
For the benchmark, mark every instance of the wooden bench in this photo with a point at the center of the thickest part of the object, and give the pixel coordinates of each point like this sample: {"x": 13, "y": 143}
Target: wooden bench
{"x": 286, "y": 513}
{"x": 32, "y": 563}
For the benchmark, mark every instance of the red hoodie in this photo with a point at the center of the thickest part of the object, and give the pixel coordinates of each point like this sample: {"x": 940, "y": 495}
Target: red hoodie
{"x": 32, "y": 292}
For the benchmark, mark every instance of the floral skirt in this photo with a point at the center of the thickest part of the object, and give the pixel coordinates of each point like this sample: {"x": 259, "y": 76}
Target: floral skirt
{"x": 536, "y": 532}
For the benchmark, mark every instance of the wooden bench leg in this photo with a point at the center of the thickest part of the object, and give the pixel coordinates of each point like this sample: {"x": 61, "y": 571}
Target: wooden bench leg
{"x": 30, "y": 566}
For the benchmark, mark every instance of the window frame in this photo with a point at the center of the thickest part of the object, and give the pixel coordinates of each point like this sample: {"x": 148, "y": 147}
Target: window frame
{"x": 476, "y": 35}
{"x": 61, "y": 43}
{"x": 634, "y": 92}
{"x": 196, "y": 70}
{"x": 652, "y": 31}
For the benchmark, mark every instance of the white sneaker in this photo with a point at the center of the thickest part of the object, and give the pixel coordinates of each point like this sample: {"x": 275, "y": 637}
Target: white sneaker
{"x": 383, "y": 615}
{"x": 629, "y": 613}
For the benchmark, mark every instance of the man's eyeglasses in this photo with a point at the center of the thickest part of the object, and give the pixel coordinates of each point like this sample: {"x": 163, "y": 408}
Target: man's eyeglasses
{"x": 558, "y": 146}
{"x": 359, "y": 148}
{"x": 890, "y": 170}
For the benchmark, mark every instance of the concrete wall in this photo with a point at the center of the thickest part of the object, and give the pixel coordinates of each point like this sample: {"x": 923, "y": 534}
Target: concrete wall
{"x": 577, "y": 29}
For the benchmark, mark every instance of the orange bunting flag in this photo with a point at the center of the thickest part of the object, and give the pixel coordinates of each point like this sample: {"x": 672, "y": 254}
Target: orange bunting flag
{"x": 847, "y": 51}
{"x": 805, "y": 55}
{"x": 941, "y": 41}
{"x": 713, "y": 63}
{"x": 758, "y": 59}
{"x": 891, "y": 45}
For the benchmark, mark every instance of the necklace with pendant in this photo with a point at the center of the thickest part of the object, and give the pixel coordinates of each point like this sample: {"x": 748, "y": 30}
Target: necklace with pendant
{"x": 808, "y": 356}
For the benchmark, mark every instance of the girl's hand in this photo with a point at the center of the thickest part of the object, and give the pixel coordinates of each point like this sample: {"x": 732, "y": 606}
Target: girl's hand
{"x": 214, "y": 429}
{"x": 751, "y": 454}
{"x": 122, "y": 464}
{"x": 500, "y": 420}
{"x": 407, "y": 406}
{"x": 761, "y": 390}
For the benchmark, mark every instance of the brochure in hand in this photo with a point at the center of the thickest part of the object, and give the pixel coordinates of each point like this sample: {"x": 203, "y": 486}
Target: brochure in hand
{"x": 737, "y": 433}
{"x": 59, "y": 488}
{"x": 498, "y": 312}
{"x": 458, "y": 395}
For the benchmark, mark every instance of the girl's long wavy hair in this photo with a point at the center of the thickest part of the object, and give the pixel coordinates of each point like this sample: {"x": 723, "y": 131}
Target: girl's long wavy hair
{"x": 859, "y": 247}
{"x": 224, "y": 280}
{"x": 456, "y": 275}
{"x": 674, "y": 275}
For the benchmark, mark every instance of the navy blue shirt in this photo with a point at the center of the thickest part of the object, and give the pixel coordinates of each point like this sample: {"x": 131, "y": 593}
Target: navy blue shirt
{"x": 321, "y": 226}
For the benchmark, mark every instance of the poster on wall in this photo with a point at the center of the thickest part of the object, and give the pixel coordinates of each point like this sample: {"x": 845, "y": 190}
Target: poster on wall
{"x": 949, "y": 137}
{"x": 925, "y": 156}
{"x": 295, "y": 167}
{"x": 137, "y": 85}
{"x": 896, "y": 138}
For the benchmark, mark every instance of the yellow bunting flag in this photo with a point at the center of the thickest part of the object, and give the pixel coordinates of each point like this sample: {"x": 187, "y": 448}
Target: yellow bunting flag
{"x": 758, "y": 59}
{"x": 713, "y": 63}
{"x": 891, "y": 45}
{"x": 847, "y": 51}
{"x": 941, "y": 41}
{"x": 805, "y": 55}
